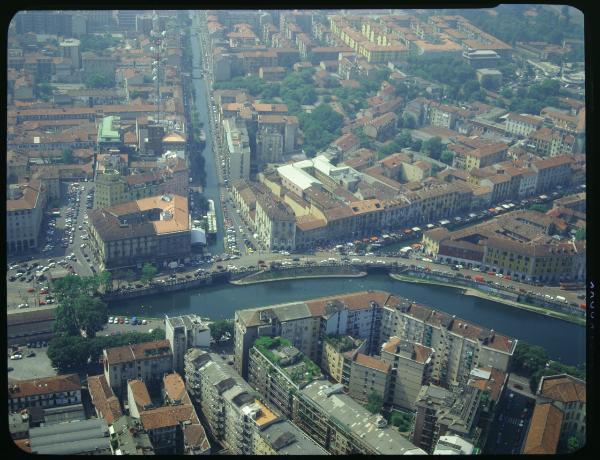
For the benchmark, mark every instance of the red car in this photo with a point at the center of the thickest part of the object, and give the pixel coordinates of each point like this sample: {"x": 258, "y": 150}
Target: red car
{"x": 42, "y": 302}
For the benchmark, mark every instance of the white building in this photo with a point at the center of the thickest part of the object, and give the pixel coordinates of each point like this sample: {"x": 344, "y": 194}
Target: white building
{"x": 238, "y": 149}
{"x": 185, "y": 332}
{"x": 453, "y": 445}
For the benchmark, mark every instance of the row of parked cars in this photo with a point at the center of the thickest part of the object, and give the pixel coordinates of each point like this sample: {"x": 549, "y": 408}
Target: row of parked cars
{"x": 125, "y": 320}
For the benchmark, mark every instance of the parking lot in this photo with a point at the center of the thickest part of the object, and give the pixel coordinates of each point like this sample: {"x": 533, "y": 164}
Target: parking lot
{"x": 34, "y": 367}
{"x": 64, "y": 233}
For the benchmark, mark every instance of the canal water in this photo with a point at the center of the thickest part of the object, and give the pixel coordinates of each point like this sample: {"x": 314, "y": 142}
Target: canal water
{"x": 211, "y": 189}
{"x": 564, "y": 341}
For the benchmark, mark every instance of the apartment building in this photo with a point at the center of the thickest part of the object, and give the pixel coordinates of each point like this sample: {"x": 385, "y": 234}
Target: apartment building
{"x": 168, "y": 175}
{"x": 106, "y": 404}
{"x": 549, "y": 142}
{"x": 543, "y": 433}
{"x": 25, "y": 205}
{"x": 275, "y": 223}
{"x": 336, "y": 351}
{"x": 173, "y": 428}
{"x": 367, "y": 375}
{"x": 276, "y": 136}
{"x": 443, "y": 412}
{"x": 441, "y": 200}
{"x": 185, "y": 332}
{"x": 519, "y": 244}
{"x": 343, "y": 426}
{"x": 382, "y": 128}
{"x": 410, "y": 368}
{"x": 146, "y": 361}
{"x": 522, "y": 125}
{"x": 154, "y": 229}
{"x": 128, "y": 437}
{"x": 568, "y": 394}
{"x": 236, "y": 418}
{"x": 278, "y": 370}
{"x": 61, "y": 390}
{"x": 552, "y": 172}
{"x": 238, "y": 149}
{"x": 480, "y": 157}
{"x": 307, "y": 323}
{"x": 460, "y": 346}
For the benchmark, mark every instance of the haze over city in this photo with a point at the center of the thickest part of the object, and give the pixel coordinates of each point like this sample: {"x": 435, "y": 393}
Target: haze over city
{"x": 297, "y": 232}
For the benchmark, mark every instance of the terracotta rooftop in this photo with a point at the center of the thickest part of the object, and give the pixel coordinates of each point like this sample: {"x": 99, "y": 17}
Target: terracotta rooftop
{"x": 544, "y": 430}
{"x": 137, "y": 351}
{"x": 47, "y": 385}
{"x": 564, "y": 388}
{"x": 29, "y": 198}
{"x": 167, "y": 416}
{"x": 141, "y": 397}
{"x": 371, "y": 362}
{"x": 174, "y": 387}
{"x": 103, "y": 398}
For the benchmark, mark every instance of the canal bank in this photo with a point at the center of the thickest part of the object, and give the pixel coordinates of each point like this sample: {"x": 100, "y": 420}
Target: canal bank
{"x": 564, "y": 341}
{"x": 493, "y": 298}
{"x": 299, "y": 273}
{"x": 211, "y": 189}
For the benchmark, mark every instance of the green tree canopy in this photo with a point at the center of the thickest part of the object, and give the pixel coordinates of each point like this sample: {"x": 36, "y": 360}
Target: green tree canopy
{"x": 580, "y": 234}
{"x": 148, "y": 272}
{"x": 447, "y": 156}
{"x": 433, "y": 147}
{"x": 375, "y": 403}
{"x": 219, "y": 328}
{"x": 320, "y": 128}
{"x": 105, "y": 279}
{"x": 100, "y": 80}
{"x": 90, "y": 314}
{"x": 68, "y": 353}
{"x": 67, "y": 156}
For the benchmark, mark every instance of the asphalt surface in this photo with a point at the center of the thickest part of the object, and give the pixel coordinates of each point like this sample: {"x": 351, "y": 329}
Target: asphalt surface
{"x": 31, "y": 368}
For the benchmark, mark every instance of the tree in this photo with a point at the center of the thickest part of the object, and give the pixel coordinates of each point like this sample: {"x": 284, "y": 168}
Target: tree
{"x": 65, "y": 323}
{"x": 44, "y": 90}
{"x": 148, "y": 272}
{"x": 90, "y": 314}
{"x": 580, "y": 234}
{"x": 528, "y": 358}
{"x": 573, "y": 444}
{"x": 105, "y": 279}
{"x": 219, "y": 328}
{"x": 67, "y": 156}
{"x": 416, "y": 145}
{"x": 100, "y": 81}
{"x": 408, "y": 121}
{"x": 404, "y": 139}
{"x": 447, "y": 157}
{"x": 375, "y": 403}
{"x": 433, "y": 147}
{"x": 68, "y": 353}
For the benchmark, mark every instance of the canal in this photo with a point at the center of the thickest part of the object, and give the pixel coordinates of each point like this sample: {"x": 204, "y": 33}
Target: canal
{"x": 211, "y": 189}
{"x": 564, "y": 341}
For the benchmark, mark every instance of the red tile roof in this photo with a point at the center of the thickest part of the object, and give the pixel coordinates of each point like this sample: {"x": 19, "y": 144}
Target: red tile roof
{"x": 544, "y": 430}
{"x": 103, "y": 398}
